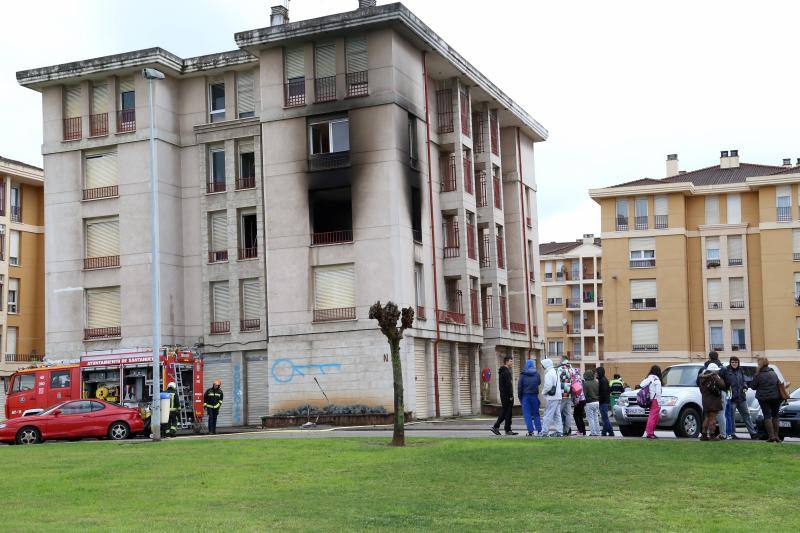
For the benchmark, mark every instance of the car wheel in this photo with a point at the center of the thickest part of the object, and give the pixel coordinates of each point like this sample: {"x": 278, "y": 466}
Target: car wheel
{"x": 632, "y": 430}
{"x": 688, "y": 424}
{"x": 29, "y": 435}
{"x": 119, "y": 431}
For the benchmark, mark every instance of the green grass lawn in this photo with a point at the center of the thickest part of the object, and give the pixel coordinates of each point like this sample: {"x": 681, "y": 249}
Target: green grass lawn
{"x": 448, "y": 484}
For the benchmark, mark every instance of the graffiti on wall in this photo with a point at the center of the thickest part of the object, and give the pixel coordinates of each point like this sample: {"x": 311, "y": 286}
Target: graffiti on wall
{"x": 237, "y": 394}
{"x": 285, "y": 370}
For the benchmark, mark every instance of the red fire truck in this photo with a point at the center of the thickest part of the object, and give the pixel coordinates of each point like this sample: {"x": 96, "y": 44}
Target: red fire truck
{"x": 125, "y": 378}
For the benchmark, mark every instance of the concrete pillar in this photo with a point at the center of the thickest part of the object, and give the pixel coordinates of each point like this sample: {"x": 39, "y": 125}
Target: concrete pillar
{"x": 239, "y": 378}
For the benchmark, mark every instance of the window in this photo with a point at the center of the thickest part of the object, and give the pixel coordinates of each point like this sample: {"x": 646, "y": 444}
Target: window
{"x": 555, "y": 295}
{"x": 331, "y": 216}
{"x": 217, "y": 236}
{"x": 248, "y": 234}
{"x": 294, "y": 76}
{"x": 126, "y": 119}
{"x": 737, "y": 335}
{"x": 783, "y": 201}
{"x": 642, "y": 252}
{"x": 216, "y": 170}
{"x": 98, "y": 113}
{"x": 73, "y": 109}
{"x": 250, "y": 298}
{"x": 14, "y": 248}
{"x": 245, "y": 94}
{"x": 356, "y": 64}
{"x": 16, "y": 203}
{"x": 334, "y": 293}
{"x": 555, "y": 321}
{"x": 501, "y": 248}
{"x": 76, "y": 408}
{"x": 102, "y": 243}
{"x": 413, "y": 155}
{"x": 329, "y": 136}
{"x": 11, "y": 339}
{"x": 644, "y": 336}
{"x": 22, "y": 382}
{"x": 60, "y": 379}
{"x": 419, "y": 288}
{"x": 622, "y": 215}
{"x": 735, "y": 250}
{"x": 640, "y": 207}
{"x": 247, "y": 165}
{"x": 416, "y": 214}
{"x": 13, "y": 296}
{"x": 103, "y": 313}
{"x": 661, "y": 210}
{"x": 220, "y": 307}
{"x": 714, "y": 293}
{"x": 555, "y": 348}
{"x": 325, "y": 72}
{"x": 712, "y": 252}
{"x": 2, "y": 241}
{"x": 216, "y": 100}
{"x": 712, "y": 209}
{"x": 548, "y": 270}
{"x": 734, "y": 209}
{"x": 715, "y": 336}
{"x": 736, "y": 292}
{"x": 100, "y": 179}
{"x": 643, "y": 294}
{"x": 796, "y": 288}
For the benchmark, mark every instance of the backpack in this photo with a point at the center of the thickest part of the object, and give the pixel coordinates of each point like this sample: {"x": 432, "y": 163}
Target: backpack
{"x": 643, "y": 396}
{"x": 576, "y": 388}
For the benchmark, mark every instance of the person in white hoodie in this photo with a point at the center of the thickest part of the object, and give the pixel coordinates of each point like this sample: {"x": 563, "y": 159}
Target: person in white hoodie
{"x": 653, "y": 380}
{"x": 552, "y": 395}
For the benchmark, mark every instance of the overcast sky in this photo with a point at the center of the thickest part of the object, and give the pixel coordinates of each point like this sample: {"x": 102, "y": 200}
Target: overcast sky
{"x": 618, "y": 84}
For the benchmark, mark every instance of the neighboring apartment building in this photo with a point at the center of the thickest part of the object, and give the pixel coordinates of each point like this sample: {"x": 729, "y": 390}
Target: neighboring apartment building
{"x": 22, "y": 329}
{"x": 573, "y": 300}
{"x": 702, "y": 260}
{"x": 297, "y": 187}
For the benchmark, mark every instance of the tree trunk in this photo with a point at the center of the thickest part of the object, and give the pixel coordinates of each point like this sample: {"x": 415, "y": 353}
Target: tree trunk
{"x": 399, "y": 436}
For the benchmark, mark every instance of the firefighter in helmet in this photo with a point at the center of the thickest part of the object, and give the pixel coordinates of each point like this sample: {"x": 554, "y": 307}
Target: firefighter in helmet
{"x": 174, "y": 406}
{"x": 212, "y": 401}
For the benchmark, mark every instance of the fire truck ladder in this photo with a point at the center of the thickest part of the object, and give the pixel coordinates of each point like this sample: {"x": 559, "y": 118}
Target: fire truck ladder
{"x": 185, "y": 405}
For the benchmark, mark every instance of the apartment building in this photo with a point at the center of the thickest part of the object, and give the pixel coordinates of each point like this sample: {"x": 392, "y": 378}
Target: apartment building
{"x": 321, "y": 166}
{"x": 573, "y": 300}
{"x": 703, "y": 260}
{"x": 22, "y": 329}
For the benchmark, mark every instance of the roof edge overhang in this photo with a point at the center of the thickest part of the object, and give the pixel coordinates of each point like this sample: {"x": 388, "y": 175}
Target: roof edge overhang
{"x": 22, "y": 171}
{"x": 660, "y": 188}
{"x": 781, "y": 179}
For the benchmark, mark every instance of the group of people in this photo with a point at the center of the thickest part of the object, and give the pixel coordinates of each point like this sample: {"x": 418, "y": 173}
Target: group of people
{"x": 570, "y": 396}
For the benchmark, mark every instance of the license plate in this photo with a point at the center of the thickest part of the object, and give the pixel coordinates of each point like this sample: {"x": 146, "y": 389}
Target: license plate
{"x": 784, "y": 424}
{"x": 635, "y": 410}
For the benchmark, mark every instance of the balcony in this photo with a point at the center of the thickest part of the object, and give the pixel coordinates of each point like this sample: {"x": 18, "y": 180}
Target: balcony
{"x": 485, "y": 262}
{"x": 481, "y": 200}
{"x": 661, "y": 221}
{"x": 622, "y": 223}
{"x": 357, "y": 83}
{"x": 334, "y": 314}
{"x": 451, "y": 239}
{"x": 796, "y": 256}
{"x": 215, "y": 186}
{"x": 643, "y": 263}
{"x": 783, "y": 214}
{"x": 715, "y": 305}
{"x": 738, "y": 347}
{"x": 248, "y": 253}
{"x": 447, "y": 169}
{"x": 716, "y": 347}
{"x": 498, "y": 199}
{"x": 644, "y": 348}
{"x": 331, "y": 237}
{"x": 421, "y": 313}
{"x": 641, "y": 223}
{"x": 555, "y": 301}
{"x": 465, "y": 122}
{"x": 95, "y": 263}
{"x": 479, "y": 128}
{"x": 451, "y": 317}
{"x": 98, "y": 125}
{"x": 573, "y": 303}
{"x": 250, "y": 324}
{"x": 647, "y": 305}
{"x": 16, "y": 213}
{"x": 245, "y": 183}
{"x": 416, "y": 234}
{"x": 294, "y": 92}
{"x": 712, "y": 263}
{"x": 111, "y": 191}
{"x": 735, "y": 262}
{"x": 501, "y": 260}
{"x": 93, "y": 334}
{"x": 24, "y": 357}
{"x": 444, "y": 111}
{"x": 574, "y": 329}
{"x": 73, "y": 129}
{"x": 220, "y": 327}
{"x": 329, "y": 161}
{"x": 126, "y": 120}
{"x": 473, "y": 307}
{"x": 737, "y": 304}
{"x": 220, "y": 256}
{"x": 518, "y": 327}
{"x": 325, "y": 89}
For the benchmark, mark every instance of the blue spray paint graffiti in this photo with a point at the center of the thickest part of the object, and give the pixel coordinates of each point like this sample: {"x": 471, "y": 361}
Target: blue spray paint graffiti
{"x": 284, "y": 370}
{"x": 237, "y": 394}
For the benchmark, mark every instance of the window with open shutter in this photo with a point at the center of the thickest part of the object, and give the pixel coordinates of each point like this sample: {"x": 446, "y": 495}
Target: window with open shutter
{"x": 735, "y": 250}
{"x": 715, "y": 335}
{"x": 72, "y": 101}
{"x": 102, "y": 237}
{"x": 13, "y": 295}
{"x": 356, "y": 54}
{"x": 642, "y": 244}
{"x": 325, "y": 60}
{"x": 736, "y": 289}
{"x": 103, "y": 309}
{"x": 643, "y": 293}
{"x": 100, "y": 98}
{"x": 712, "y": 209}
{"x": 294, "y": 64}
{"x": 734, "y": 209}
{"x": 245, "y": 93}
{"x": 712, "y": 249}
{"x": 644, "y": 335}
{"x": 251, "y": 299}
{"x": 127, "y": 93}
{"x": 334, "y": 287}
{"x": 218, "y": 226}
{"x": 738, "y": 335}
{"x": 100, "y": 170}
{"x": 714, "y": 293}
{"x": 220, "y": 302}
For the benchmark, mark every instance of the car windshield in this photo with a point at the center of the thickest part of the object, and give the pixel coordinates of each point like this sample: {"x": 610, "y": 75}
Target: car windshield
{"x": 680, "y": 376}
{"x": 795, "y": 395}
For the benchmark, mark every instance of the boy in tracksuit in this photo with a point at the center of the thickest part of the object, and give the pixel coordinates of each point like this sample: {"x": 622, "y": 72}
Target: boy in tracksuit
{"x": 552, "y": 395}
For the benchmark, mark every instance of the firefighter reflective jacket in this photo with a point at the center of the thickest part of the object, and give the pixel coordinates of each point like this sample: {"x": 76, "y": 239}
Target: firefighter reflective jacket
{"x": 174, "y": 404}
{"x": 212, "y": 399}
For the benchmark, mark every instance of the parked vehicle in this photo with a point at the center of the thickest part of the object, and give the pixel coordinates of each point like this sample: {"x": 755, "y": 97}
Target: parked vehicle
{"x": 74, "y": 420}
{"x": 681, "y": 405}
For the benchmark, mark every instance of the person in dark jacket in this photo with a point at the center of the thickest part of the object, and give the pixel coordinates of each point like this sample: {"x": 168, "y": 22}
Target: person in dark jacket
{"x": 738, "y": 399}
{"x": 591, "y": 390}
{"x": 506, "y": 396}
{"x": 713, "y": 358}
{"x": 528, "y": 393}
{"x": 765, "y": 383}
{"x": 212, "y": 401}
{"x": 605, "y": 401}
{"x": 711, "y": 385}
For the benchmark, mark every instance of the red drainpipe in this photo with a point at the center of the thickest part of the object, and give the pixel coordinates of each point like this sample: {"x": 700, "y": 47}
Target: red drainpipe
{"x": 525, "y": 247}
{"x": 433, "y": 235}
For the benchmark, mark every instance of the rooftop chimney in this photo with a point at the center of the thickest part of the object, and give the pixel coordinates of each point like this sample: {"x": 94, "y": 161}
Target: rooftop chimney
{"x": 729, "y": 159}
{"x": 279, "y": 14}
{"x": 588, "y": 238}
{"x": 366, "y": 3}
{"x": 787, "y": 162}
{"x": 672, "y": 165}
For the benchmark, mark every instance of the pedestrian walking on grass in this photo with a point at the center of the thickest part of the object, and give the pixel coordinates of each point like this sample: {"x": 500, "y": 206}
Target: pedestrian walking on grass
{"x": 605, "y": 401}
{"x": 766, "y": 384}
{"x": 528, "y": 392}
{"x": 591, "y": 389}
{"x": 569, "y": 378}
{"x": 710, "y": 387}
{"x": 552, "y": 397}
{"x": 653, "y": 381}
{"x": 506, "y": 396}
{"x": 738, "y": 399}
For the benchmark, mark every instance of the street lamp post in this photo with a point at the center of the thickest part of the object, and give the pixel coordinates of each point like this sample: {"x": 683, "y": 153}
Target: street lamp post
{"x": 151, "y": 74}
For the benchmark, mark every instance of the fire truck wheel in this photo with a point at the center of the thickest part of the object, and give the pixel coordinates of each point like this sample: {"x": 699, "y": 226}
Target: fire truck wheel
{"x": 118, "y": 431}
{"x": 29, "y": 435}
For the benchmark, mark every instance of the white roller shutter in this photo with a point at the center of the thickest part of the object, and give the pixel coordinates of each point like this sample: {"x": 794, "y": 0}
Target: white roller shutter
{"x": 257, "y": 388}
{"x": 735, "y": 250}
{"x": 220, "y": 302}
{"x": 356, "y": 54}
{"x": 548, "y": 267}
{"x": 644, "y": 332}
{"x": 11, "y": 339}
{"x": 334, "y": 287}
{"x": 219, "y": 367}
{"x": 72, "y": 101}
{"x": 14, "y": 244}
{"x": 734, "y": 209}
{"x": 325, "y": 60}
{"x": 251, "y": 299}
{"x": 796, "y": 241}
{"x": 464, "y": 380}
{"x": 712, "y": 248}
{"x": 714, "y": 291}
{"x": 555, "y": 319}
{"x": 642, "y": 243}
{"x": 100, "y": 98}
{"x": 736, "y": 288}
{"x": 294, "y": 64}
{"x": 783, "y": 194}
{"x": 445, "y": 380}
{"x": 421, "y": 378}
{"x": 712, "y": 209}
{"x": 245, "y": 92}
{"x": 100, "y": 170}
{"x": 246, "y": 147}
{"x": 660, "y": 205}
{"x": 219, "y": 231}
{"x": 555, "y": 292}
{"x": 102, "y": 237}
{"x": 103, "y": 309}
{"x": 643, "y": 288}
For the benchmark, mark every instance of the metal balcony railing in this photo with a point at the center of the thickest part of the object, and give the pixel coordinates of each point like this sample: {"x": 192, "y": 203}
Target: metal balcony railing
{"x": 328, "y": 161}
{"x": 465, "y": 123}
{"x": 717, "y": 347}
{"x": 738, "y": 347}
{"x": 16, "y": 213}
{"x": 503, "y": 312}
{"x": 245, "y": 182}
{"x": 91, "y": 334}
{"x": 622, "y": 223}
{"x": 715, "y": 305}
{"x": 330, "y": 315}
{"x": 294, "y": 92}
{"x": 481, "y": 200}
{"x": 215, "y": 186}
{"x": 94, "y": 263}
{"x": 357, "y": 83}
{"x": 416, "y": 234}
{"x": 485, "y": 252}
{"x": 447, "y": 166}
{"x": 325, "y": 89}
{"x": 486, "y": 310}
{"x": 737, "y": 304}
{"x": 126, "y": 120}
{"x": 248, "y": 253}
{"x": 219, "y": 256}
{"x": 72, "y": 129}
{"x": 642, "y": 305}
{"x": 451, "y": 238}
{"x": 661, "y": 221}
{"x": 332, "y": 237}
{"x": 479, "y": 131}
{"x": 518, "y": 327}
{"x": 713, "y": 263}
{"x": 734, "y": 261}
{"x": 573, "y": 303}
{"x": 98, "y": 125}
{"x": 110, "y": 191}
{"x": 796, "y": 256}
{"x": 641, "y": 223}
{"x": 444, "y": 111}
{"x": 468, "y": 178}
{"x": 451, "y": 317}
{"x": 783, "y": 214}
{"x": 643, "y": 263}
{"x": 24, "y": 357}
{"x": 250, "y": 324}
{"x": 421, "y": 313}
{"x": 644, "y": 347}
{"x": 223, "y": 326}
{"x": 494, "y": 133}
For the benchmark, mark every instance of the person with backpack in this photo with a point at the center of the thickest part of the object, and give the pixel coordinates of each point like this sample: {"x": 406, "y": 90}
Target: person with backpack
{"x": 650, "y": 395}
{"x": 528, "y": 392}
{"x": 552, "y": 397}
{"x": 571, "y": 387}
{"x": 738, "y": 399}
{"x": 591, "y": 389}
{"x": 711, "y": 385}
{"x": 604, "y": 397}
{"x": 767, "y": 386}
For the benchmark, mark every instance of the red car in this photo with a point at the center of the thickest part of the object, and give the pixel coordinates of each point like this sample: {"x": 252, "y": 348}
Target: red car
{"x": 73, "y": 420}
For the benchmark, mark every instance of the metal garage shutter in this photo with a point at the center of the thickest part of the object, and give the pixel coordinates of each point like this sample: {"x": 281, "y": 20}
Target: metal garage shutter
{"x": 219, "y": 367}
{"x": 334, "y": 287}
{"x": 356, "y": 54}
{"x": 257, "y": 388}
{"x": 464, "y": 380}
{"x": 102, "y": 237}
{"x": 294, "y": 65}
{"x": 445, "y": 381}
{"x": 245, "y": 93}
{"x": 325, "y": 60}
{"x": 219, "y": 231}
{"x": 421, "y": 378}
{"x": 103, "y": 308}
{"x": 72, "y": 101}
{"x": 100, "y": 170}
{"x": 220, "y": 302}
{"x": 251, "y": 299}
